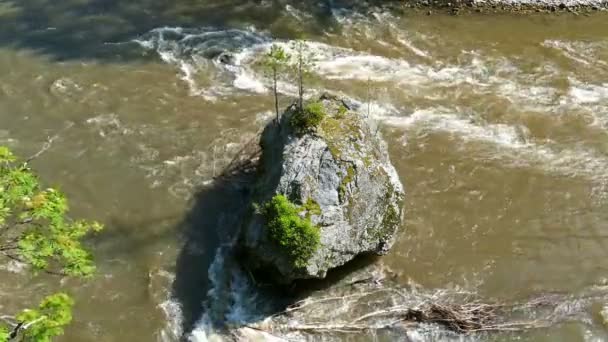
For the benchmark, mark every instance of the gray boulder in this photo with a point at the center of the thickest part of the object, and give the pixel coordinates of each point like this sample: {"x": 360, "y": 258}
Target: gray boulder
{"x": 344, "y": 167}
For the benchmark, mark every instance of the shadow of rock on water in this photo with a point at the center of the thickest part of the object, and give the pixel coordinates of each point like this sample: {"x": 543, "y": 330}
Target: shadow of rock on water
{"x": 362, "y": 269}
{"x": 213, "y": 221}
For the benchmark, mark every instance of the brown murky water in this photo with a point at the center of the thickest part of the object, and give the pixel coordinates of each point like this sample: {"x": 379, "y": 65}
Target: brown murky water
{"x": 498, "y": 127}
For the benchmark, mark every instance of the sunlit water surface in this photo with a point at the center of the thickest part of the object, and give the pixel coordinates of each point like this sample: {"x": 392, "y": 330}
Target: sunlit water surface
{"x": 498, "y": 127}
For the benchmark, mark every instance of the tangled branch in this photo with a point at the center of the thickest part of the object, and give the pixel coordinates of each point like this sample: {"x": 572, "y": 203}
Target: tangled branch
{"x": 394, "y": 307}
{"x": 48, "y": 143}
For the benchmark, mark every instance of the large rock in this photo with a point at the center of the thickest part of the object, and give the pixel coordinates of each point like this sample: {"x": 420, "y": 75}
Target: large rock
{"x": 342, "y": 165}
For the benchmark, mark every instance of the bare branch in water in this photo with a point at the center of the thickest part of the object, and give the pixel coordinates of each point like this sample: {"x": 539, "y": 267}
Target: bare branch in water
{"x": 10, "y": 320}
{"x": 48, "y": 143}
{"x": 396, "y": 307}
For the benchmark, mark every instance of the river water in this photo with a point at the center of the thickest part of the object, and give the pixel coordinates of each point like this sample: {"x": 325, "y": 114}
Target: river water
{"x": 497, "y": 125}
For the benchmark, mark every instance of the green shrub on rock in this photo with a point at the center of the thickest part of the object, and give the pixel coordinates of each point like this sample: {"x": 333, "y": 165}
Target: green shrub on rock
{"x": 295, "y": 234}
{"x": 309, "y": 118}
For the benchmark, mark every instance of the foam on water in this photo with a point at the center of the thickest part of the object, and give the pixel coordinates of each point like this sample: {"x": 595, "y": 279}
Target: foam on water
{"x": 195, "y": 53}
{"x": 297, "y": 14}
{"x": 173, "y": 315}
{"x": 337, "y": 63}
{"x": 443, "y": 119}
{"x": 231, "y": 299}
{"x": 14, "y": 266}
{"x": 512, "y": 143}
{"x": 585, "y": 53}
{"x": 585, "y": 93}
{"x": 528, "y": 97}
{"x": 245, "y": 78}
{"x": 247, "y": 81}
{"x": 483, "y": 75}
{"x": 379, "y": 28}
{"x": 591, "y": 99}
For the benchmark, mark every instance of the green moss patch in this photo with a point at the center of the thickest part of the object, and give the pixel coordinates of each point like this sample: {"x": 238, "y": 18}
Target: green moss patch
{"x": 339, "y": 132}
{"x": 342, "y": 111}
{"x": 309, "y": 118}
{"x": 350, "y": 175}
{"x": 311, "y": 207}
{"x": 391, "y": 217}
{"x": 298, "y": 237}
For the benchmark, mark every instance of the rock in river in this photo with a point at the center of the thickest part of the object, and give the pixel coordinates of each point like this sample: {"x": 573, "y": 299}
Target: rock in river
{"x": 341, "y": 168}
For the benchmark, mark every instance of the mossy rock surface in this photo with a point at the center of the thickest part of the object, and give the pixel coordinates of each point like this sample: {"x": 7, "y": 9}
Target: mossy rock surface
{"x": 340, "y": 173}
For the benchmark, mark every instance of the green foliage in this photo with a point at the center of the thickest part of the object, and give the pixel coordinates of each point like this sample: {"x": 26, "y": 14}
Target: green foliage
{"x": 3, "y": 334}
{"x": 34, "y": 222}
{"x": 276, "y": 58}
{"x": 316, "y": 111}
{"x": 297, "y": 235}
{"x": 6, "y": 156}
{"x": 48, "y": 320}
{"x": 34, "y": 228}
{"x": 275, "y": 62}
{"x": 302, "y": 64}
{"x": 342, "y": 110}
{"x": 42, "y": 323}
{"x": 309, "y": 118}
{"x": 391, "y": 217}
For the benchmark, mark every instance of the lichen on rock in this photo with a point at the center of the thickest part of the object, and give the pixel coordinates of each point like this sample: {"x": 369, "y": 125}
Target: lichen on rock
{"x": 340, "y": 174}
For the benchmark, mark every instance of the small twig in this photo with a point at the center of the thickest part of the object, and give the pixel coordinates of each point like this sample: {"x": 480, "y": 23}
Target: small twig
{"x": 15, "y": 331}
{"x": 10, "y": 256}
{"x": 29, "y": 324}
{"x": 385, "y": 312}
{"x": 13, "y": 257}
{"x": 214, "y": 150}
{"x": 48, "y": 143}
{"x": 251, "y": 276}
{"x": 10, "y": 320}
{"x": 7, "y": 248}
{"x": 304, "y": 303}
{"x": 369, "y": 96}
{"x": 23, "y": 326}
{"x": 25, "y": 221}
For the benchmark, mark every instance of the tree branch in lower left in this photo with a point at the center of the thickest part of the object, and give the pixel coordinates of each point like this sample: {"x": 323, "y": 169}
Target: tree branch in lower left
{"x": 36, "y": 230}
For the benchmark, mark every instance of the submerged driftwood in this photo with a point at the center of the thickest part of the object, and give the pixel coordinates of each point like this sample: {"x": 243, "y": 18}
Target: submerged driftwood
{"x": 370, "y": 301}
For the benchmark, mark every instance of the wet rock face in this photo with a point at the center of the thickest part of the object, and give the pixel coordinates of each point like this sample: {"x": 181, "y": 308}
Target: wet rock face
{"x": 343, "y": 166}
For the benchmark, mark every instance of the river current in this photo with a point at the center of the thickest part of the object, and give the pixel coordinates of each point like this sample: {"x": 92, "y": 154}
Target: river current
{"x": 497, "y": 125}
